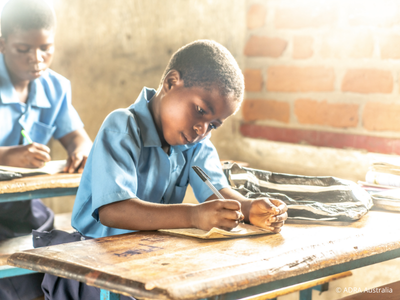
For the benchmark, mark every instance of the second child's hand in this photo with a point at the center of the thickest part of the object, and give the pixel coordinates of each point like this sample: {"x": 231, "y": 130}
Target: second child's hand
{"x": 76, "y": 162}
{"x": 34, "y": 155}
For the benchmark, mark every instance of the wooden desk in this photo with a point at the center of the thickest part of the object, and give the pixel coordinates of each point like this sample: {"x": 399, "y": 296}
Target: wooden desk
{"x": 41, "y": 186}
{"x": 154, "y": 265}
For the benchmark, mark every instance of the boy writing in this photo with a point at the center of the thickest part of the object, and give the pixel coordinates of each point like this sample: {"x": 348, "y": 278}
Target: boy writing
{"x": 38, "y": 100}
{"x": 141, "y": 161}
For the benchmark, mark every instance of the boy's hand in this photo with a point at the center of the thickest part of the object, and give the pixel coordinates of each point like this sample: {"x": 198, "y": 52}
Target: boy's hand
{"x": 34, "y": 155}
{"x": 268, "y": 213}
{"x": 224, "y": 214}
{"x": 76, "y": 162}
{"x": 78, "y": 145}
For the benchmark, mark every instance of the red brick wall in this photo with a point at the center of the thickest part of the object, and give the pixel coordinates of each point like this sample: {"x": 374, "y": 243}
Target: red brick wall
{"x": 323, "y": 73}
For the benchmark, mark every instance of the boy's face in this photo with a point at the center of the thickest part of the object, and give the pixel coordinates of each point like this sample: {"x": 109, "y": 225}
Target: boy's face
{"x": 28, "y": 53}
{"x": 187, "y": 115}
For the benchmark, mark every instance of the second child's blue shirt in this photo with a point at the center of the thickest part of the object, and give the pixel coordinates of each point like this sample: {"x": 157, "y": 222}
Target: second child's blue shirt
{"x": 127, "y": 161}
{"x": 47, "y": 113}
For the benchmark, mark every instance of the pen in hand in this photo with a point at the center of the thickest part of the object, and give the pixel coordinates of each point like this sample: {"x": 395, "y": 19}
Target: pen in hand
{"x": 29, "y": 140}
{"x": 26, "y": 136}
{"x": 203, "y": 176}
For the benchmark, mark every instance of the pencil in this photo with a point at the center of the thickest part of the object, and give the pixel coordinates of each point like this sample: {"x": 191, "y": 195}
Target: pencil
{"x": 25, "y": 135}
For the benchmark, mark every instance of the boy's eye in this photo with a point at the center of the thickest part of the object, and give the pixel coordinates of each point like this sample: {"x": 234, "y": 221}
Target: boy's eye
{"x": 200, "y": 110}
{"x": 212, "y": 126}
{"x": 46, "y": 48}
{"x": 23, "y": 49}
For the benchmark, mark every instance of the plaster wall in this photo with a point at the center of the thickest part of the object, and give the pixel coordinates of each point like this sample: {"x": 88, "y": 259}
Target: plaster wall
{"x": 110, "y": 50}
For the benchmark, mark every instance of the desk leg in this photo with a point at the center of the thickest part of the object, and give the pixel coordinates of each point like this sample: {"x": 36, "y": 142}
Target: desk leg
{"x": 107, "y": 295}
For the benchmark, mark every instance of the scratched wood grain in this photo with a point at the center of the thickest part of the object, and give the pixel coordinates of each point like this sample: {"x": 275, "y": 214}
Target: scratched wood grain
{"x": 154, "y": 265}
{"x": 31, "y": 183}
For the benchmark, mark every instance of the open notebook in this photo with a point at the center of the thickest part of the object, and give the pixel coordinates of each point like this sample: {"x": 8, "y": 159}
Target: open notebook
{"x": 51, "y": 167}
{"x": 215, "y": 233}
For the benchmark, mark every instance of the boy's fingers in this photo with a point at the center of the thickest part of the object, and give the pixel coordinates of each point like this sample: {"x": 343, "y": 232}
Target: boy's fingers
{"x": 37, "y": 163}
{"x": 277, "y": 224}
{"x": 41, "y": 156}
{"x": 278, "y": 218}
{"x": 228, "y": 224}
{"x": 232, "y": 214}
{"x": 76, "y": 161}
{"x": 67, "y": 165}
{"x": 82, "y": 165}
{"x": 41, "y": 147}
{"x": 280, "y": 205}
{"x": 231, "y": 204}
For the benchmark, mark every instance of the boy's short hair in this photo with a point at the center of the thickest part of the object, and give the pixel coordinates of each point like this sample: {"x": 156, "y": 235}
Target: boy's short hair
{"x": 207, "y": 64}
{"x": 26, "y": 15}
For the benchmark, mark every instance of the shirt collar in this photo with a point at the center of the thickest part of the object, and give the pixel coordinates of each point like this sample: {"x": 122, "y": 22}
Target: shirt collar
{"x": 37, "y": 95}
{"x": 146, "y": 123}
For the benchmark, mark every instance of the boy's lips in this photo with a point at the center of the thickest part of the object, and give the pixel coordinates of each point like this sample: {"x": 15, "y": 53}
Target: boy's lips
{"x": 186, "y": 140}
{"x": 36, "y": 72}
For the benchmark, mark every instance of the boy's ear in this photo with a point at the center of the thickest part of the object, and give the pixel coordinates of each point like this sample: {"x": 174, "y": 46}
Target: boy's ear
{"x": 172, "y": 79}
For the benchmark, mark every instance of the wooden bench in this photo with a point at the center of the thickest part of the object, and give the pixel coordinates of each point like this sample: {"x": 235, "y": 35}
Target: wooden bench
{"x": 305, "y": 289}
{"x": 10, "y": 246}
{"x": 389, "y": 291}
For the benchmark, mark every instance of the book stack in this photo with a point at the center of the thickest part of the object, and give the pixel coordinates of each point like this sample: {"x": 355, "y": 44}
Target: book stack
{"x": 382, "y": 181}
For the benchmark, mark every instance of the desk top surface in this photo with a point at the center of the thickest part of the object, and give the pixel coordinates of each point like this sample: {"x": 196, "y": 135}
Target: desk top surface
{"x": 31, "y": 183}
{"x": 155, "y": 265}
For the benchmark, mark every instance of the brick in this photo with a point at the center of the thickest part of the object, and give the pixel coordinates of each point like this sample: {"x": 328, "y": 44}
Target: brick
{"x": 256, "y": 16}
{"x": 300, "y": 79}
{"x": 390, "y": 46}
{"x": 381, "y": 116}
{"x": 367, "y": 81}
{"x": 341, "y": 115}
{"x": 321, "y": 138}
{"x": 311, "y": 15}
{"x": 359, "y": 44}
{"x": 302, "y": 47}
{"x": 265, "y": 46}
{"x": 253, "y": 80}
{"x": 372, "y": 13}
{"x": 259, "y": 109}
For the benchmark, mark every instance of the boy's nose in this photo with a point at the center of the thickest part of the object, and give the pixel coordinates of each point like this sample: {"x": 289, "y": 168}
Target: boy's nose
{"x": 37, "y": 56}
{"x": 200, "y": 129}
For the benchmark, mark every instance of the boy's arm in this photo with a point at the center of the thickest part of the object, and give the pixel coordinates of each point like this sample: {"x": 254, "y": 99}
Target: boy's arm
{"x": 136, "y": 214}
{"x": 78, "y": 145}
{"x": 25, "y": 156}
{"x": 262, "y": 212}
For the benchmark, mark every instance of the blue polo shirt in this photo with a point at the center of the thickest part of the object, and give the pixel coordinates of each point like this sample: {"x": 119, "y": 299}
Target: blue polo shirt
{"x": 48, "y": 111}
{"x": 127, "y": 161}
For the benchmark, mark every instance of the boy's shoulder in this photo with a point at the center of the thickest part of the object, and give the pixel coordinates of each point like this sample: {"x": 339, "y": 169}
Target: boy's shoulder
{"x": 121, "y": 120}
{"x": 51, "y": 78}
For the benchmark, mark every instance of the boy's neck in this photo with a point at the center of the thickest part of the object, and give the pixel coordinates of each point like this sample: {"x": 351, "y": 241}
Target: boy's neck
{"x": 154, "y": 105}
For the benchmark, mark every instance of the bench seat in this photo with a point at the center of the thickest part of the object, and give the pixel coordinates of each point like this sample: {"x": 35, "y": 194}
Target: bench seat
{"x": 305, "y": 288}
